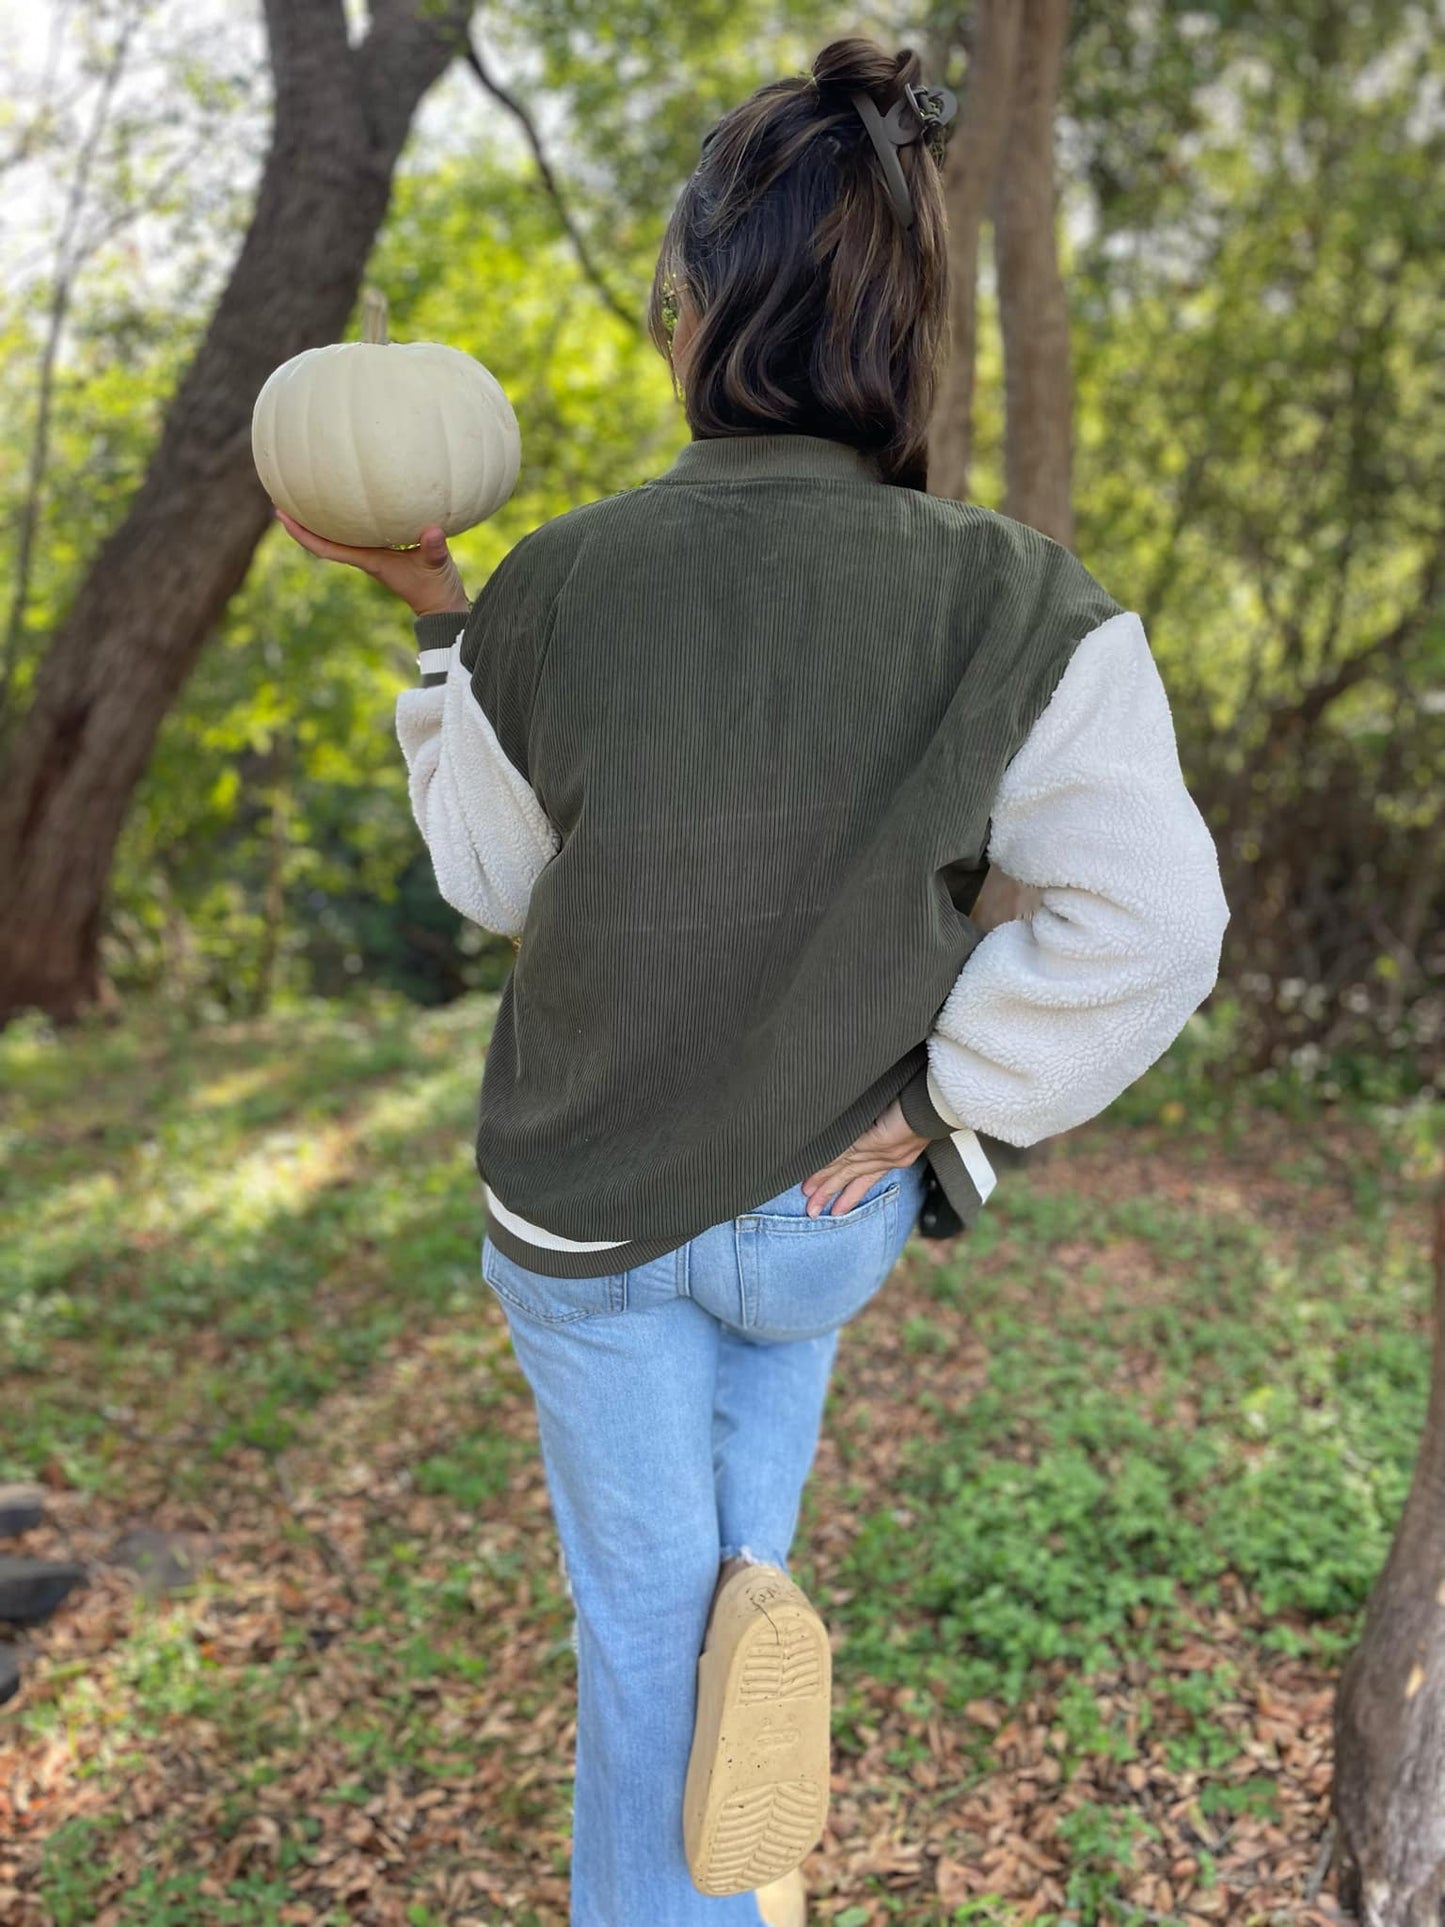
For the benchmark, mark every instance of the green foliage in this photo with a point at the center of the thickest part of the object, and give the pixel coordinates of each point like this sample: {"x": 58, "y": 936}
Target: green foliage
{"x": 133, "y": 134}
{"x": 1101, "y": 1841}
{"x": 271, "y": 849}
{"x": 1176, "y": 1408}
{"x": 1261, "y": 448}
{"x": 476, "y": 1469}
{"x": 1068, "y": 1517}
{"x": 283, "y": 752}
{"x": 173, "y": 1211}
{"x": 73, "y": 1871}
{"x": 1250, "y": 235}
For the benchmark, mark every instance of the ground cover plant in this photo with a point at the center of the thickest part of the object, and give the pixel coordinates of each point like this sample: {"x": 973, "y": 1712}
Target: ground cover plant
{"x": 1102, "y": 1491}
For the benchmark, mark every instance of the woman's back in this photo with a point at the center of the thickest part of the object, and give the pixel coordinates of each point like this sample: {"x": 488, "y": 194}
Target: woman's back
{"x": 764, "y": 700}
{"x": 726, "y": 751}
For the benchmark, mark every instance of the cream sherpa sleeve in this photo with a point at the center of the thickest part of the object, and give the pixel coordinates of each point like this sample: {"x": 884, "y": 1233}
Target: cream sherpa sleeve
{"x": 1054, "y": 1014}
{"x": 487, "y": 833}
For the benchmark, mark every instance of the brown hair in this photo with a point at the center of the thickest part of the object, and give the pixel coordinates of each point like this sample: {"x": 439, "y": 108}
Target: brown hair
{"x": 818, "y": 311}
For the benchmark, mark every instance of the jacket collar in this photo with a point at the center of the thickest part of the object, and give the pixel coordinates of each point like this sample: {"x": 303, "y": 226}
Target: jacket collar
{"x": 738, "y": 458}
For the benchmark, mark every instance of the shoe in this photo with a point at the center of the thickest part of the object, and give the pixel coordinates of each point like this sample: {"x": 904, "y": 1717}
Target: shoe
{"x": 756, "y": 1794}
{"x": 784, "y": 1903}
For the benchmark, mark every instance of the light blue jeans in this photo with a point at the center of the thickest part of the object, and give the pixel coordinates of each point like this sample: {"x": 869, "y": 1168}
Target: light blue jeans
{"x": 678, "y": 1409}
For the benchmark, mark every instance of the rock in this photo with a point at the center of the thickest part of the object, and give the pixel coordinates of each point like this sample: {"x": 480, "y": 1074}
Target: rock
{"x": 9, "y": 1674}
{"x": 21, "y": 1507}
{"x": 31, "y": 1589}
{"x": 162, "y": 1561}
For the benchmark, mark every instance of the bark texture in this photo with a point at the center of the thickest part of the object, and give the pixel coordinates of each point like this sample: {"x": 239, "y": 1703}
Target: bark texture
{"x": 971, "y": 168}
{"x": 1033, "y": 312}
{"x": 159, "y": 584}
{"x": 1390, "y": 1708}
{"x": 1001, "y": 163}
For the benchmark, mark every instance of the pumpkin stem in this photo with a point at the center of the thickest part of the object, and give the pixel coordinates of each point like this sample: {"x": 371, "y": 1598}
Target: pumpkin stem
{"x": 373, "y": 315}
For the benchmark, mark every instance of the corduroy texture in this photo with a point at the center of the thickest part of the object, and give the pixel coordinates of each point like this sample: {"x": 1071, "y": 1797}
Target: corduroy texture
{"x": 766, "y": 700}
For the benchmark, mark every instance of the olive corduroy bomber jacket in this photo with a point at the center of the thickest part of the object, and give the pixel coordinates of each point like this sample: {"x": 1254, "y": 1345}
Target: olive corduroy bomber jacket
{"x": 736, "y": 748}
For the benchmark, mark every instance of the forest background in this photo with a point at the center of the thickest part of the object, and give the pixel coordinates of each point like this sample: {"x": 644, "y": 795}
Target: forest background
{"x": 1104, "y": 1486}
{"x": 1248, "y": 242}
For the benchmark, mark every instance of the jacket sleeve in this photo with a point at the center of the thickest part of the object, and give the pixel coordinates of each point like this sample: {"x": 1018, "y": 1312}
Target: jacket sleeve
{"x": 486, "y": 830}
{"x": 1057, "y": 1012}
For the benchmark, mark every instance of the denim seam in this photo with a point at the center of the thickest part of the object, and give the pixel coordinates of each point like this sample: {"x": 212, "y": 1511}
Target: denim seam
{"x": 616, "y": 1294}
{"x": 745, "y": 1245}
{"x": 792, "y": 1224}
{"x": 752, "y": 1228}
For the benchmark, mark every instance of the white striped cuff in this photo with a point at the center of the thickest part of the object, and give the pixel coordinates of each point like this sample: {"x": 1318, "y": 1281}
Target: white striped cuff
{"x": 975, "y": 1162}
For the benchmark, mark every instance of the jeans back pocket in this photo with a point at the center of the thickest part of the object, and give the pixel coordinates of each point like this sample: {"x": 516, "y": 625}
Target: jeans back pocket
{"x": 802, "y": 1276}
{"x": 551, "y": 1301}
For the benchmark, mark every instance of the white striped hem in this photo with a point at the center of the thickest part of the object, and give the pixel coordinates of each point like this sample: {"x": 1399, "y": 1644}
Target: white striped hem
{"x": 549, "y": 1240}
{"x": 975, "y": 1162}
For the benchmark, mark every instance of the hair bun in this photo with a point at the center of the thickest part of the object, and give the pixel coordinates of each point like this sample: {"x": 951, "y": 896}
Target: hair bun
{"x": 855, "y": 64}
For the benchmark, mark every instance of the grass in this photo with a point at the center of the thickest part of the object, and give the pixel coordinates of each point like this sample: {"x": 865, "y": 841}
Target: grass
{"x": 1102, "y": 1492}
{"x": 216, "y": 1225}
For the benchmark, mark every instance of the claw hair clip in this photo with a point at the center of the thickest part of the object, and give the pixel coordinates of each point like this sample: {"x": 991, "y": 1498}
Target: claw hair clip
{"x": 919, "y": 113}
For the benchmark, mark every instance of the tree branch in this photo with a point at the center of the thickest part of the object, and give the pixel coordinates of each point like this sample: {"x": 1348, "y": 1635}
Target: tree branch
{"x": 1296, "y": 720}
{"x": 68, "y": 257}
{"x": 410, "y": 44}
{"x": 1369, "y": 355}
{"x": 518, "y": 110}
{"x": 37, "y": 131}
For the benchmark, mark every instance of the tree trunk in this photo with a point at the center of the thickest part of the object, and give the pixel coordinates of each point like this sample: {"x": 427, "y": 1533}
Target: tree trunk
{"x": 1390, "y": 1707}
{"x": 1032, "y": 307}
{"x": 161, "y": 581}
{"x": 970, "y": 170}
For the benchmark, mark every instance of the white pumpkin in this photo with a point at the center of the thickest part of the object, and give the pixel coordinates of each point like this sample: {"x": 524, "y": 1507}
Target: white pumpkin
{"x": 369, "y": 442}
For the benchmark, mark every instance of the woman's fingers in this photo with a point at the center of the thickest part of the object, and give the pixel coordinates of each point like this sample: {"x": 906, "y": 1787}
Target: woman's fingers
{"x": 855, "y": 1192}
{"x": 831, "y": 1176}
{"x": 819, "y": 1188}
{"x": 328, "y": 551}
{"x": 425, "y": 577}
{"x": 887, "y": 1145}
{"x": 847, "y": 1164}
{"x": 853, "y": 1178}
{"x": 853, "y": 1189}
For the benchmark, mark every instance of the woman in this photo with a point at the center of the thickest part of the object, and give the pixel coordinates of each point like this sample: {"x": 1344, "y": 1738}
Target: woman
{"x": 730, "y": 752}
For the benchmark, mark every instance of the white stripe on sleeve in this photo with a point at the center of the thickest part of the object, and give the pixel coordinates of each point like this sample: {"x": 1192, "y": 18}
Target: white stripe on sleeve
{"x": 487, "y": 833}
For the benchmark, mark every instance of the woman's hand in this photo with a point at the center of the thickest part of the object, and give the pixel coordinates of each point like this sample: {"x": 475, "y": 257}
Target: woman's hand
{"x": 426, "y": 578}
{"x": 889, "y": 1145}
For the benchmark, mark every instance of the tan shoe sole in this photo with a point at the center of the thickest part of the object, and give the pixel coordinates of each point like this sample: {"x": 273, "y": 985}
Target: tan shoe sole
{"x": 756, "y": 1794}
